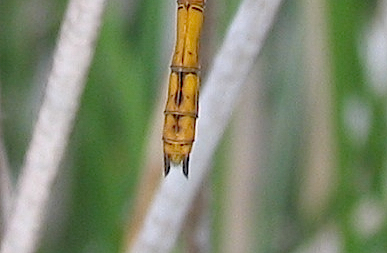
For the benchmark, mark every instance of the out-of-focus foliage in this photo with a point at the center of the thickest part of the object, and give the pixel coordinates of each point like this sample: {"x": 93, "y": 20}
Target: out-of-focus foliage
{"x": 95, "y": 192}
{"x": 360, "y": 129}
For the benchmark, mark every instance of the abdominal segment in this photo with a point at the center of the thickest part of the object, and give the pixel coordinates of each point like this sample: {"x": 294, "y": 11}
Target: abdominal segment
{"x": 181, "y": 109}
{"x": 180, "y": 116}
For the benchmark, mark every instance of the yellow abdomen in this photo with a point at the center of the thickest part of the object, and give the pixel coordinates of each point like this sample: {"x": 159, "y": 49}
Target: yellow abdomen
{"x": 181, "y": 109}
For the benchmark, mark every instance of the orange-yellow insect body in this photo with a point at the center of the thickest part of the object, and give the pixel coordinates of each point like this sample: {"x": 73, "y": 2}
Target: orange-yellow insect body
{"x": 181, "y": 109}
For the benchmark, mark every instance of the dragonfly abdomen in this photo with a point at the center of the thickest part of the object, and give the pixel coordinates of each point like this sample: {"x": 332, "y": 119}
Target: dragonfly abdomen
{"x": 181, "y": 109}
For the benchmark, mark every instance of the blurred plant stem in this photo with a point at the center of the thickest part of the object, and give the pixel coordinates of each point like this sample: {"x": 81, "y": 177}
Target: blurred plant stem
{"x": 320, "y": 175}
{"x": 65, "y": 85}
{"x": 242, "y": 191}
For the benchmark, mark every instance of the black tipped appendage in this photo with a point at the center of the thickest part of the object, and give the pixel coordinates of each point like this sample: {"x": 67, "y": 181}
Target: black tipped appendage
{"x": 167, "y": 165}
{"x": 185, "y": 166}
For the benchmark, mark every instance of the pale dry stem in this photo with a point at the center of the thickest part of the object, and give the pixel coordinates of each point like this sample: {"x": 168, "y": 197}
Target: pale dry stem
{"x": 55, "y": 120}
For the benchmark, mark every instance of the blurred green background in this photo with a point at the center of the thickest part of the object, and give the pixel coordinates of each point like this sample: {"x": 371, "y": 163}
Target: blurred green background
{"x": 94, "y": 194}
